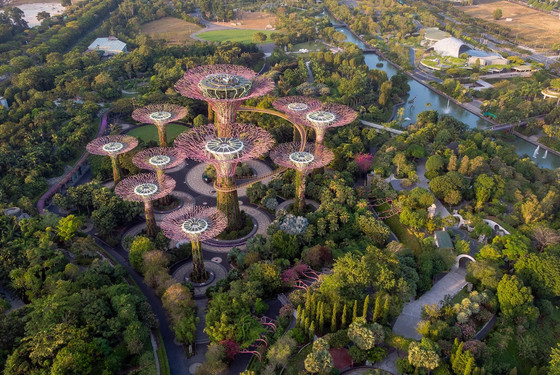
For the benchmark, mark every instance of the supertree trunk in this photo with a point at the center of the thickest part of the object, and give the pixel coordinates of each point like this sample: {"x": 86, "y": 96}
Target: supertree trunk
{"x": 228, "y": 203}
{"x": 225, "y": 115}
{"x": 165, "y": 201}
{"x": 117, "y": 174}
{"x": 162, "y": 135}
{"x": 210, "y": 113}
{"x": 299, "y": 201}
{"x": 319, "y": 136}
{"x": 199, "y": 273}
{"x": 151, "y": 227}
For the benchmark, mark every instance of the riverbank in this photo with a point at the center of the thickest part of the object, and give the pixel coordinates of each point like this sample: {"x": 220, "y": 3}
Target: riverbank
{"x": 527, "y": 139}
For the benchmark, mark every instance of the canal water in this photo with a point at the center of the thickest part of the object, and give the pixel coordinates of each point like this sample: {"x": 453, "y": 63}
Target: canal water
{"x": 422, "y": 98}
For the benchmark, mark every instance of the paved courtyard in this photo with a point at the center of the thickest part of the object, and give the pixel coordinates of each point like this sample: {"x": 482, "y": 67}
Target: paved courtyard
{"x": 450, "y": 284}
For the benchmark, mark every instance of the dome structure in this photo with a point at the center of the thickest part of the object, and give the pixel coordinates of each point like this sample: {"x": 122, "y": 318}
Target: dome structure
{"x": 450, "y": 47}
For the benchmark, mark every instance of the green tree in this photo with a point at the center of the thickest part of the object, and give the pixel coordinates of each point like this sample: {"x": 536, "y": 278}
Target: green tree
{"x": 140, "y": 246}
{"x": 516, "y": 299}
{"x": 68, "y": 227}
{"x": 259, "y": 37}
{"x": 424, "y": 354}
{"x": 319, "y": 361}
{"x": 554, "y": 363}
{"x": 365, "y": 308}
{"x": 497, "y": 14}
{"x": 365, "y": 335}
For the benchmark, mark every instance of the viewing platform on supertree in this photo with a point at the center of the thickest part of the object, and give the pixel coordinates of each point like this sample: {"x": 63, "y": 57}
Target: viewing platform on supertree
{"x": 224, "y": 87}
{"x": 195, "y": 224}
{"x": 291, "y": 155}
{"x": 244, "y": 142}
{"x": 159, "y": 159}
{"x": 160, "y": 115}
{"x": 330, "y": 115}
{"x": 146, "y": 188}
{"x": 112, "y": 146}
{"x": 297, "y": 105}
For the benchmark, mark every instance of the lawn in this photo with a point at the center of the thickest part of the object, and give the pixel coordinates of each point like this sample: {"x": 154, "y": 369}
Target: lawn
{"x": 405, "y": 236}
{"x": 233, "y": 35}
{"x": 149, "y": 133}
{"x": 171, "y": 29}
{"x": 311, "y": 46}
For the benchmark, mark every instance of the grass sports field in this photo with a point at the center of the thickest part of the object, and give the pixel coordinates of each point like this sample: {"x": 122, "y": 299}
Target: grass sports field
{"x": 532, "y": 26}
{"x": 171, "y": 29}
{"x": 233, "y": 35}
{"x": 149, "y": 133}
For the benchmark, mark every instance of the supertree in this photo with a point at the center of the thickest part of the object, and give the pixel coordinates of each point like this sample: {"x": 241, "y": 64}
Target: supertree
{"x": 297, "y": 105}
{"x": 224, "y": 87}
{"x": 145, "y": 187}
{"x": 112, "y": 146}
{"x": 244, "y": 142}
{"x": 303, "y": 160}
{"x": 159, "y": 159}
{"x": 196, "y": 224}
{"x": 330, "y": 115}
{"x": 160, "y": 115}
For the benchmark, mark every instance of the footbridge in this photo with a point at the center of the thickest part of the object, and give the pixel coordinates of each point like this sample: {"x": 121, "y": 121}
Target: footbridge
{"x": 381, "y": 127}
{"x": 512, "y": 125}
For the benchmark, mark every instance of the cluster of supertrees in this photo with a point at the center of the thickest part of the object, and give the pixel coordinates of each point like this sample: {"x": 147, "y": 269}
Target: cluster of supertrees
{"x": 223, "y": 144}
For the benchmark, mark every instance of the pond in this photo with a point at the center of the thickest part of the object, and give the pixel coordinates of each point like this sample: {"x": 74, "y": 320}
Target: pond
{"x": 422, "y": 98}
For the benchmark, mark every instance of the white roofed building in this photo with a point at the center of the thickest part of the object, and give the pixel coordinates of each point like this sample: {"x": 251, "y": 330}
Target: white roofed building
{"x": 451, "y": 46}
{"x": 109, "y": 46}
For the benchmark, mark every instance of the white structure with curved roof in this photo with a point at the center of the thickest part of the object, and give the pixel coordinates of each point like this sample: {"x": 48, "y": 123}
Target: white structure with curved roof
{"x": 450, "y": 47}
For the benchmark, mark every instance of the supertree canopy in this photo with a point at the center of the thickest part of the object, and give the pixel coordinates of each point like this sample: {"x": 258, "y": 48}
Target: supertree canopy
{"x": 196, "y": 224}
{"x": 303, "y": 160}
{"x": 159, "y": 159}
{"x": 145, "y": 187}
{"x": 160, "y": 115}
{"x": 297, "y": 105}
{"x": 112, "y": 146}
{"x": 224, "y": 87}
{"x": 243, "y": 142}
{"x": 330, "y": 115}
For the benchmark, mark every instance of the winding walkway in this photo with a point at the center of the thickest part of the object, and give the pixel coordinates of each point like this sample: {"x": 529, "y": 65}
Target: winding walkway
{"x": 411, "y": 315}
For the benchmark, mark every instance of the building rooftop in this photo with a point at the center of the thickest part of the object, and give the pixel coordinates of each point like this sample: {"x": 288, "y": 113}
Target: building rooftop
{"x": 109, "y": 45}
{"x": 451, "y": 47}
{"x": 434, "y": 34}
{"x": 443, "y": 239}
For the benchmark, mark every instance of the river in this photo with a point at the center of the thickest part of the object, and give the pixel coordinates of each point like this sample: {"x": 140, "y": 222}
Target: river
{"x": 422, "y": 98}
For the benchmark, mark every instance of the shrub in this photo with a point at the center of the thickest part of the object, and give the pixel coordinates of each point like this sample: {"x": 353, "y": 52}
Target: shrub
{"x": 359, "y": 356}
{"x": 404, "y": 367}
{"x": 377, "y": 354}
{"x": 339, "y": 339}
{"x": 299, "y": 335}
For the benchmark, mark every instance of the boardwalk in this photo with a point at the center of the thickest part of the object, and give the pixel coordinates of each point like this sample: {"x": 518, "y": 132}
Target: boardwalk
{"x": 381, "y": 127}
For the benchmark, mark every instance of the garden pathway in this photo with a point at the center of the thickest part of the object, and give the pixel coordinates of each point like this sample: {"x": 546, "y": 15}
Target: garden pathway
{"x": 450, "y": 285}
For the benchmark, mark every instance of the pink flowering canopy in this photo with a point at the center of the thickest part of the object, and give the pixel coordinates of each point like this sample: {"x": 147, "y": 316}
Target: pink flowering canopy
{"x": 244, "y": 142}
{"x": 159, "y": 158}
{"x": 292, "y": 155}
{"x": 297, "y": 105}
{"x": 144, "y": 187}
{"x": 159, "y": 114}
{"x": 223, "y": 83}
{"x": 364, "y": 161}
{"x": 194, "y": 223}
{"x": 111, "y": 145}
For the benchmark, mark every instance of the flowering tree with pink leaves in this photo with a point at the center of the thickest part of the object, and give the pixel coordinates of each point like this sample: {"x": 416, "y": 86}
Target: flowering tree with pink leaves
{"x": 243, "y": 142}
{"x": 292, "y": 155}
{"x": 145, "y": 187}
{"x": 224, "y": 87}
{"x": 195, "y": 224}
{"x": 330, "y": 115}
{"x": 364, "y": 161}
{"x": 160, "y": 115}
{"x": 112, "y": 146}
